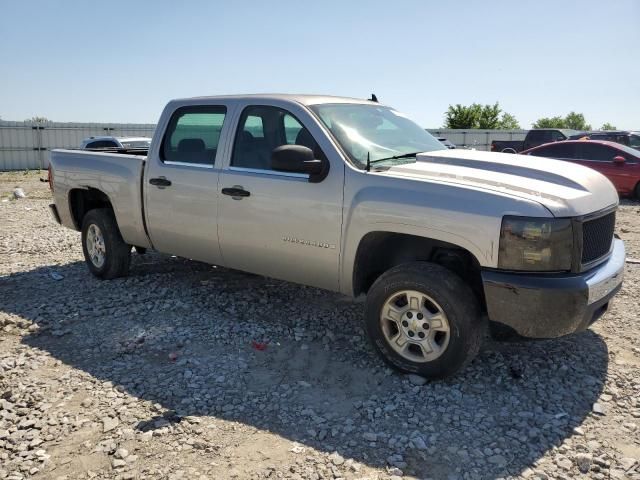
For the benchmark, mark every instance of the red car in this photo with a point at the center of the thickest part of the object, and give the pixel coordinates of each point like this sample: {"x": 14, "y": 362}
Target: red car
{"x": 617, "y": 162}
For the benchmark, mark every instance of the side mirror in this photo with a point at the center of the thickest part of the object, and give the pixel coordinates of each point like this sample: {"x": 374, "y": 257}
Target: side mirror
{"x": 619, "y": 159}
{"x": 299, "y": 159}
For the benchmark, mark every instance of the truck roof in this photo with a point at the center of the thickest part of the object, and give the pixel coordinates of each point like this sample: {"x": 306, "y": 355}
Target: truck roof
{"x": 305, "y": 99}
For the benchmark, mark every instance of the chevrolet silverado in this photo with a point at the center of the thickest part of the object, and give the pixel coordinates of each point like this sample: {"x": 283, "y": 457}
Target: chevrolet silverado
{"x": 350, "y": 195}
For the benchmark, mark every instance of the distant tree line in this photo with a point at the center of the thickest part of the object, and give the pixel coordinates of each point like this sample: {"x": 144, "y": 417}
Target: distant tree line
{"x": 479, "y": 116}
{"x": 492, "y": 117}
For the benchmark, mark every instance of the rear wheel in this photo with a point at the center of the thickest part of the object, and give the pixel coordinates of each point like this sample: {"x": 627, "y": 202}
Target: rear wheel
{"x": 637, "y": 191}
{"x": 424, "y": 319}
{"x": 105, "y": 252}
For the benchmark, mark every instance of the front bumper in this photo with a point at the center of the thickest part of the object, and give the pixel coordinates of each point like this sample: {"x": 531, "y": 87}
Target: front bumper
{"x": 548, "y": 306}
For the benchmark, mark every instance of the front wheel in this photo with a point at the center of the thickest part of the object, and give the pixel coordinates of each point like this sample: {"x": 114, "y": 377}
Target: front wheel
{"x": 424, "y": 319}
{"x": 106, "y": 253}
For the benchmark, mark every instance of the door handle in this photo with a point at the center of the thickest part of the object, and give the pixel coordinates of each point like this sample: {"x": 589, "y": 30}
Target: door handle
{"x": 236, "y": 192}
{"x": 160, "y": 182}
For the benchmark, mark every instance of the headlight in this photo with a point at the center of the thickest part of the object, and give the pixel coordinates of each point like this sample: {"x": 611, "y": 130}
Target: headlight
{"x": 535, "y": 244}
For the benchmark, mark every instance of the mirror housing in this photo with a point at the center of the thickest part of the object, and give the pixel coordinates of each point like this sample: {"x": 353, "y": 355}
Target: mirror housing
{"x": 299, "y": 159}
{"x": 619, "y": 159}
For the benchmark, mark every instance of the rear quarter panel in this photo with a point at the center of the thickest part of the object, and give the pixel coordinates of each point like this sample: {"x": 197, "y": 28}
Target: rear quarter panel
{"x": 117, "y": 176}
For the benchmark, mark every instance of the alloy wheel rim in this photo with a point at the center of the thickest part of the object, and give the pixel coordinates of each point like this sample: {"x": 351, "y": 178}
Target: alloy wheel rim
{"x": 95, "y": 246}
{"x": 415, "y": 326}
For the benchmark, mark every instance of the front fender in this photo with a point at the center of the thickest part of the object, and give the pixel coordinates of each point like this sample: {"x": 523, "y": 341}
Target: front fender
{"x": 469, "y": 218}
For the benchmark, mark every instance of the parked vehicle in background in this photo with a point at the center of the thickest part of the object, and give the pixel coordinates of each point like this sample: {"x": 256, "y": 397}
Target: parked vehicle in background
{"x": 350, "y": 195}
{"x": 630, "y": 139}
{"x": 534, "y": 138}
{"x": 92, "y": 143}
{"x": 446, "y": 143}
{"x": 619, "y": 163}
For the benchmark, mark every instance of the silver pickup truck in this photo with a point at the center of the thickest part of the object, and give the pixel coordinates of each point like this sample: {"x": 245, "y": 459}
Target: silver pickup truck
{"x": 350, "y": 195}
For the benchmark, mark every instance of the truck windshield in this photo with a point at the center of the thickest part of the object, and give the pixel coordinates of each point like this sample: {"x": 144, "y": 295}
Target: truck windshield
{"x": 375, "y": 130}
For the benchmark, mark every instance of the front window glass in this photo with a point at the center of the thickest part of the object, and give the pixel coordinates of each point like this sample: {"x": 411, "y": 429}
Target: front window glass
{"x": 253, "y": 125}
{"x": 261, "y": 129}
{"x": 291, "y": 129}
{"x": 632, "y": 152}
{"x": 557, "y": 136}
{"x": 634, "y": 141}
{"x": 374, "y": 130}
{"x": 596, "y": 152}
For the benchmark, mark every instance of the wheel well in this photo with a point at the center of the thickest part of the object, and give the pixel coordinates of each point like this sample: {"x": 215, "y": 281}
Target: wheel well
{"x": 380, "y": 251}
{"x": 81, "y": 201}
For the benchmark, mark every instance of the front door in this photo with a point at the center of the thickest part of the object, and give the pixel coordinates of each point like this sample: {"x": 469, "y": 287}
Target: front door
{"x": 600, "y": 157}
{"x": 181, "y": 184}
{"x": 275, "y": 223}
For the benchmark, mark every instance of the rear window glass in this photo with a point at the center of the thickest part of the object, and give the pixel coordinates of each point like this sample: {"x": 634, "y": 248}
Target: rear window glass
{"x": 101, "y": 144}
{"x": 193, "y": 135}
{"x": 556, "y": 150}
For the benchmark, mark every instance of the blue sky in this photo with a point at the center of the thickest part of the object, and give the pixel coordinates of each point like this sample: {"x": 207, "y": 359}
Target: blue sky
{"x": 121, "y": 61}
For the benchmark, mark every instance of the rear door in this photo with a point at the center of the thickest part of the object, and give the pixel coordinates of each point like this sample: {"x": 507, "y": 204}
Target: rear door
{"x": 559, "y": 151}
{"x": 278, "y": 224}
{"x": 181, "y": 183}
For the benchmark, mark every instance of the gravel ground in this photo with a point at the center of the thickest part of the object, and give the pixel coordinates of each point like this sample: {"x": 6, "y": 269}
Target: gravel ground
{"x": 188, "y": 371}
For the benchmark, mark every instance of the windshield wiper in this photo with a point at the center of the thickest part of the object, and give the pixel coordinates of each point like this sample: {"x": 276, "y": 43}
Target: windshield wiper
{"x": 394, "y": 157}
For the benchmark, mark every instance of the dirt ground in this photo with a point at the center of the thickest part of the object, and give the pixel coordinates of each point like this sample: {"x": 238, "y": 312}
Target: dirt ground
{"x": 188, "y": 371}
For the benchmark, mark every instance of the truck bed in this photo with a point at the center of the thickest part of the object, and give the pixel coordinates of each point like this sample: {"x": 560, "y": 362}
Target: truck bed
{"x": 117, "y": 174}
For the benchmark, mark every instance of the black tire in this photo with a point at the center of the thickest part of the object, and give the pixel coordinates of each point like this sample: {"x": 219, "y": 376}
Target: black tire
{"x": 457, "y": 301}
{"x": 637, "y": 191}
{"x": 117, "y": 254}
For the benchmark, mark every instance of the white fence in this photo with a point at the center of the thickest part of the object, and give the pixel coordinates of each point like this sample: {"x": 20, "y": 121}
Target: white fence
{"x": 478, "y": 139}
{"x": 26, "y": 145}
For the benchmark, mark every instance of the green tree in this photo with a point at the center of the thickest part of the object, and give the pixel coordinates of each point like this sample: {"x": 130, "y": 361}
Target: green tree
{"x": 487, "y": 117}
{"x": 553, "y": 122}
{"x": 608, "y": 126}
{"x": 576, "y": 121}
{"x": 508, "y": 122}
{"x": 461, "y": 116}
{"x": 572, "y": 120}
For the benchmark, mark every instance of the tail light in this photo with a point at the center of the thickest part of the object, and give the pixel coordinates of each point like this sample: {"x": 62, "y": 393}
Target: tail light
{"x": 50, "y": 177}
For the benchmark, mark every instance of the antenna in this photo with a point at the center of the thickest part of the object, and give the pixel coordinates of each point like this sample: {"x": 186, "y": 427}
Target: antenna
{"x": 373, "y": 98}
{"x": 368, "y": 167}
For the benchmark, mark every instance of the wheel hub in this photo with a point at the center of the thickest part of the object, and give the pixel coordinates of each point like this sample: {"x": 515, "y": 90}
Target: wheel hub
{"x": 95, "y": 246}
{"x": 415, "y": 326}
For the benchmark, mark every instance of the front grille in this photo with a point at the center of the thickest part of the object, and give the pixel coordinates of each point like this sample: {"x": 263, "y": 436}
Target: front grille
{"x": 597, "y": 235}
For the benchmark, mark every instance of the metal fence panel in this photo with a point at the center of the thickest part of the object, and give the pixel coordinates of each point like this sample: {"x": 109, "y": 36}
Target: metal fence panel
{"x": 478, "y": 139}
{"x": 26, "y": 145}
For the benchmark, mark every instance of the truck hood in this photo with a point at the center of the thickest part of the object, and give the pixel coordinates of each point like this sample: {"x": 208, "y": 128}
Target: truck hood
{"x": 564, "y": 188}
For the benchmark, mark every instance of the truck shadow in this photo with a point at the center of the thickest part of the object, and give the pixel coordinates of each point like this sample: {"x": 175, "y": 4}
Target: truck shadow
{"x": 206, "y": 341}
